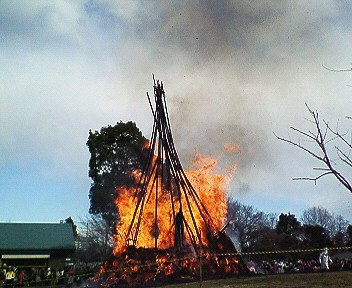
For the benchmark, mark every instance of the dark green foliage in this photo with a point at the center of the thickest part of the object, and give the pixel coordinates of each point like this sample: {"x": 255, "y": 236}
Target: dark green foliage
{"x": 349, "y": 234}
{"x": 267, "y": 240}
{"x": 115, "y": 152}
{"x": 74, "y": 226}
{"x": 288, "y": 242}
{"x": 315, "y": 236}
{"x": 287, "y": 224}
{"x": 339, "y": 239}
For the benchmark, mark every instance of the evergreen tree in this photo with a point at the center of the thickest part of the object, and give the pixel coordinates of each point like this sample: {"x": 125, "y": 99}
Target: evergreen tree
{"x": 115, "y": 152}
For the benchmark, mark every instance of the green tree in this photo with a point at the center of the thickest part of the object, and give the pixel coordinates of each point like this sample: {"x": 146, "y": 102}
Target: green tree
{"x": 349, "y": 234}
{"x": 115, "y": 152}
{"x": 267, "y": 240}
{"x": 287, "y": 224}
{"x": 74, "y": 226}
{"x": 315, "y": 236}
{"x": 339, "y": 239}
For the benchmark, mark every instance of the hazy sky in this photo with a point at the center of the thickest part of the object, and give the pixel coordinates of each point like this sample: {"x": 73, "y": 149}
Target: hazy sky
{"x": 233, "y": 71}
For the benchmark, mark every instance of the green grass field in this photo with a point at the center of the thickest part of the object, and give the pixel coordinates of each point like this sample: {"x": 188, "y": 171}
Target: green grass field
{"x": 313, "y": 280}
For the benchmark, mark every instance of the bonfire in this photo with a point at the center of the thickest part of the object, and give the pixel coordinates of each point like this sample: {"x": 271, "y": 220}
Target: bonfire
{"x": 172, "y": 222}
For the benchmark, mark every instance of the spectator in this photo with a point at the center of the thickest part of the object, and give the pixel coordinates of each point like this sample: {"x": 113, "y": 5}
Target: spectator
{"x": 251, "y": 266}
{"x": 71, "y": 273}
{"x": 20, "y": 277}
{"x": 2, "y": 277}
{"x": 10, "y": 276}
{"x": 324, "y": 260}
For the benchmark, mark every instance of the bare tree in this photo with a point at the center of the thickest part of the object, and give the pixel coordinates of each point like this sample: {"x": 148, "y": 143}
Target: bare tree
{"x": 330, "y": 147}
{"x": 318, "y": 216}
{"x": 95, "y": 242}
{"x": 247, "y": 221}
{"x": 341, "y": 223}
{"x": 332, "y": 223}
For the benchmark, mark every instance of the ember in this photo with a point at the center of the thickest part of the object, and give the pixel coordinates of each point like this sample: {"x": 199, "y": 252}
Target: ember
{"x": 171, "y": 222}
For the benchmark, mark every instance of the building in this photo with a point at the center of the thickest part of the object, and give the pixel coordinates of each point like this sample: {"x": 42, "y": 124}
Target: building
{"x": 36, "y": 244}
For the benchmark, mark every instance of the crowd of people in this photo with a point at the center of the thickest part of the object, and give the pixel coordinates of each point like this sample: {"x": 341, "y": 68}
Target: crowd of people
{"x": 21, "y": 277}
{"x": 321, "y": 264}
{"x": 301, "y": 266}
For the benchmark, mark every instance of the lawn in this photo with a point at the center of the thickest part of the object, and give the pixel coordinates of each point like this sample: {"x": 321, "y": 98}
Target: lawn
{"x": 313, "y": 280}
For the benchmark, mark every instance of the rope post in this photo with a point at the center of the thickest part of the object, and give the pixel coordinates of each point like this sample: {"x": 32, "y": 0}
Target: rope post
{"x": 200, "y": 262}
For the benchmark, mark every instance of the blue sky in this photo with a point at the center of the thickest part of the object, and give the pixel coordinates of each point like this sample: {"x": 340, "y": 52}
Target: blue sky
{"x": 233, "y": 71}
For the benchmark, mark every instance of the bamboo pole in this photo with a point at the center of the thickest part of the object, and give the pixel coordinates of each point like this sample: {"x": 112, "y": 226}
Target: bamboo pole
{"x": 200, "y": 264}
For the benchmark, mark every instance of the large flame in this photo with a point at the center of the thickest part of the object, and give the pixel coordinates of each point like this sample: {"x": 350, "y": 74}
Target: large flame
{"x": 211, "y": 187}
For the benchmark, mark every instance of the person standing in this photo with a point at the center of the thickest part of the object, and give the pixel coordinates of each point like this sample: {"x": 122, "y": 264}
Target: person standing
{"x": 71, "y": 273}
{"x": 20, "y": 277}
{"x": 10, "y": 276}
{"x": 324, "y": 260}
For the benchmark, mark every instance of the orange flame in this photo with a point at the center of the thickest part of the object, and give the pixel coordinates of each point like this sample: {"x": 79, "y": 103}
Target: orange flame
{"x": 211, "y": 188}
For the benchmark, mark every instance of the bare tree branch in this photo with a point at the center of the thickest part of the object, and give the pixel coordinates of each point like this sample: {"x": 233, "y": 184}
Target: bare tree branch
{"x": 345, "y": 157}
{"x": 321, "y": 169}
{"x": 322, "y": 136}
{"x": 299, "y": 146}
{"x": 337, "y": 70}
{"x": 341, "y": 136}
{"x": 313, "y": 179}
{"x": 312, "y": 136}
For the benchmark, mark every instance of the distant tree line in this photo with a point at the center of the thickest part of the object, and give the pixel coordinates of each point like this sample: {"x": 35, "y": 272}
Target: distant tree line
{"x": 254, "y": 230}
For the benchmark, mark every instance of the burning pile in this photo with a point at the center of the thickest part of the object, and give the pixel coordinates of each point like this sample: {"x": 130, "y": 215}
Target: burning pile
{"x": 171, "y": 223}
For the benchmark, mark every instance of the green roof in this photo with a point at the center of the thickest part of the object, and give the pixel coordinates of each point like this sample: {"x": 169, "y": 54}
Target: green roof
{"x": 36, "y": 236}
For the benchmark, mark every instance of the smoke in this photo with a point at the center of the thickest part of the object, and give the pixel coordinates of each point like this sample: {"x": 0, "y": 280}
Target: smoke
{"x": 233, "y": 72}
